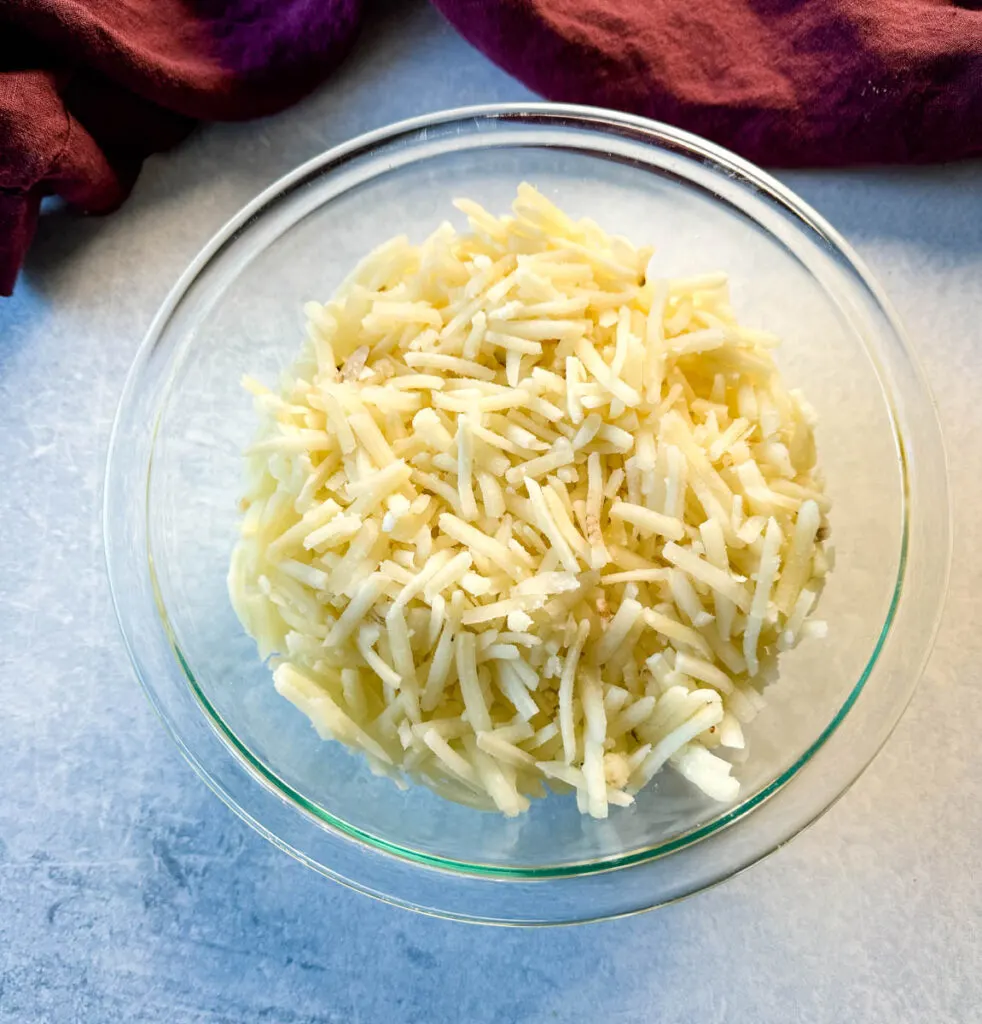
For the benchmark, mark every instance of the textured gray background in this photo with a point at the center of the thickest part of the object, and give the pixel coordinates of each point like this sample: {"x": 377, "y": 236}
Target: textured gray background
{"x": 129, "y": 893}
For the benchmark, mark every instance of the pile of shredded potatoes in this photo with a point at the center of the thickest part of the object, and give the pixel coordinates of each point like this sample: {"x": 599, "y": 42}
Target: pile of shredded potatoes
{"x": 526, "y": 513}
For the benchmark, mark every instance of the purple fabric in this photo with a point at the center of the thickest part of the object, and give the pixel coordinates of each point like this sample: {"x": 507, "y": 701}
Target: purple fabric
{"x": 88, "y": 88}
{"x": 783, "y": 82}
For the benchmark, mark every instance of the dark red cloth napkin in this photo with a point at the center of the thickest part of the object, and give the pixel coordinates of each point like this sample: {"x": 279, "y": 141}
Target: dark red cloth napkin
{"x": 782, "y": 82}
{"x": 88, "y": 88}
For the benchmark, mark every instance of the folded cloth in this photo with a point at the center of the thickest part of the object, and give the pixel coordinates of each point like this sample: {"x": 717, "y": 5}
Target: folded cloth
{"x": 89, "y": 88}
{"x": 782, "y": 82}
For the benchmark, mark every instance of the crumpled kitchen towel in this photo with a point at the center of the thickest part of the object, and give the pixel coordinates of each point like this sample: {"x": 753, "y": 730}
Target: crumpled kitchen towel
{"x": 782, "y": 82}
{"x": 88, "y": 88}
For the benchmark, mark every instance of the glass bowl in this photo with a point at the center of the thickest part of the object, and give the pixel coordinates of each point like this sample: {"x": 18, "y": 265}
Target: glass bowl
{"x": 174, "y": 477}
